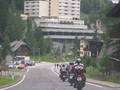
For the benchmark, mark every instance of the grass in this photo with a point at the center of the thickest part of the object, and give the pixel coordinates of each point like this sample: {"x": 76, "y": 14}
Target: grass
{"x": 49, "y": 58}
{"x": 6, "y": 80}
{"x": 111, "y": 79}
{"x": 91, "y": 70}
{"x": 17, "y": 70}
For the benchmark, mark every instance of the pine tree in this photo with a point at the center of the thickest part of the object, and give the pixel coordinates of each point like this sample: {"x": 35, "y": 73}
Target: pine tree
{"x": 15, "y": 26}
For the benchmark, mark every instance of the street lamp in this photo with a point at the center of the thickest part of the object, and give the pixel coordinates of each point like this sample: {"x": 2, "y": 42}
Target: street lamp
{"x": 39, "y": 53}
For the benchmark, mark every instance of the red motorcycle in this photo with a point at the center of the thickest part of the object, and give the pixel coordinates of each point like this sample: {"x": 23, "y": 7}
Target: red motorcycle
{"x": 71, "y": 78}
{"x": 63, "y": 76}
{"x": 80, "y": 78}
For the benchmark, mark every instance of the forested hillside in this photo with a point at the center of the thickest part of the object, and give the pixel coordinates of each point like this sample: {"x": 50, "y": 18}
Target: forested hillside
{"x": 91, "y": 10}
{"x": 12, "y": 28}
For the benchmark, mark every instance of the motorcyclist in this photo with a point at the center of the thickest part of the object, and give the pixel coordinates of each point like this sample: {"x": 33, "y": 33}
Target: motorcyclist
{"x": 63, "y": 68}
{"x": 80, "y": 69}
{"x": 63, "y": 72}
{"x": 70, "y": 67}
{"x": 79, "y": 65}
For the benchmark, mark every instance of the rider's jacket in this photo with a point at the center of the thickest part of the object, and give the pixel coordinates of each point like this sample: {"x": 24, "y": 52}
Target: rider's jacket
{"x": 62, "y": 69}
{"x": 79, "y": 68}
{"x": 70, "y": 68}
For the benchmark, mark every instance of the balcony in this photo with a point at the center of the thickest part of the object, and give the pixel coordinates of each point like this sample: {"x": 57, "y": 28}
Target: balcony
{"x": 67, "y": 37}
{"x": 67, "y": 26}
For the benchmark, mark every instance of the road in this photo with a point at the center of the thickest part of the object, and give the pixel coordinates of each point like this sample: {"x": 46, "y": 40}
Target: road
{"x": 43, "y": 78}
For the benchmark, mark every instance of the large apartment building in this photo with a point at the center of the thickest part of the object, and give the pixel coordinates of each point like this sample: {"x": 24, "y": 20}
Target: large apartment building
{"x": 36, "y": 8}
{"x": 53, "y": 8}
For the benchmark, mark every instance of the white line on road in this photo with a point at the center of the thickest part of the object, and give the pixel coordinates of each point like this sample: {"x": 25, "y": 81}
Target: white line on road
{"x": 23, "y": 78}
{"x": 95, "y": 85}
{"x": 87, "y": 82}
{"x": 54, "y": 71}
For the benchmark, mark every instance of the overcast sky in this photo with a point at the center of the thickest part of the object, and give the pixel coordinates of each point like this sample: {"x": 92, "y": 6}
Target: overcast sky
{"x": 115, "y": 1}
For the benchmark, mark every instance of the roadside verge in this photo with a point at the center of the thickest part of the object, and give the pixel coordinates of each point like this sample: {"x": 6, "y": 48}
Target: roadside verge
{"x": 17, "y": 82}
{"x": 97, "y": 82}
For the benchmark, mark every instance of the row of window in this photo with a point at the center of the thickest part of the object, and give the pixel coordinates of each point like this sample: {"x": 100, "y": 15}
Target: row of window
{"x": 69, "y": 14}
{"x": 33, "y": 13}
{"x": 31, "y": 2}
{"x": 69, "y": 6}
{"x": 66, "y": 10}
{"x": 70, "y": 3}
{"x": 32, "y": 6}
{"x": 32, "y": 9}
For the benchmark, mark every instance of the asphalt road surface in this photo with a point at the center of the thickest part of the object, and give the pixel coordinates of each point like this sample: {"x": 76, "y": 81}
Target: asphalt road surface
{"x": 42, "y": 77}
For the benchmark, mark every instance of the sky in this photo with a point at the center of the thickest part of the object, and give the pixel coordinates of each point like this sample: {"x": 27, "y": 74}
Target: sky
{"x": 115, "y": 1}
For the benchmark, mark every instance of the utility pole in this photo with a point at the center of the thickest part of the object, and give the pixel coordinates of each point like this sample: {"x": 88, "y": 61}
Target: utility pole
{"x": 33, "y": 53}
{"x": 39, "y": 54}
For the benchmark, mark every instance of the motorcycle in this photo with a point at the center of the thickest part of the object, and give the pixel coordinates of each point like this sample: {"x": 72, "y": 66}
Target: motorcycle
{"x": 63, "y": 76}
{"x": 71, "y": 78}
{"x": 79, "y": 83}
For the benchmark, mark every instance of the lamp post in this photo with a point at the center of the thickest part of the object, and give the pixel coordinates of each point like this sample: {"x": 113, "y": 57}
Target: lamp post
{"x": 33, "y": 53}
{"x": 39, "y": 54}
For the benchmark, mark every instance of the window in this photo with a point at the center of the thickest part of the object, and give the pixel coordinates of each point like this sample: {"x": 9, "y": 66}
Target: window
{"x": 65, "y": 10}
{"x": 73, "y": 10}
{"x": 72, "y": 7}
{"x": 33, "y": 5}
{"x": 66, "y": 6}
{"x": 81, "y": 52}
{"x": 81, "y": 46}
{"x": 73, "y": 3}
{"x": 27, "y": 2}
{"x": 33, "y": 13}
{"x": 72, "y": 14}
{"x": 33, "y": 9}
{"x": 66, "y": 3}
{"x": 66, "y": 13}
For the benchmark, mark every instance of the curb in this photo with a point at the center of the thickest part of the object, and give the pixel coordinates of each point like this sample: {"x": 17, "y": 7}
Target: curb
{"x": 100, "y": 84}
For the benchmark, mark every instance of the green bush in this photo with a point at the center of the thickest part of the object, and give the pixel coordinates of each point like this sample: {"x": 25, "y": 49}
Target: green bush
{"x": 92, "y": 69}
{"x": 88, "y": 61}
{"x": 103, "y": 63}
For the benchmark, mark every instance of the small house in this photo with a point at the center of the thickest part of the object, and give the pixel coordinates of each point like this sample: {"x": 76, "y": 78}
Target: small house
{"x": 90, "y": 48}
{"x": 20, "y": 48}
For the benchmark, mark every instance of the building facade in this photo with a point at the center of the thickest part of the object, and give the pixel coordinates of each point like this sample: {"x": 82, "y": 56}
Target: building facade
{"x": 65, "y": 8}
{"x": 36, "y": 8}
{"x": 90, "y": 48}
{"x": 59, "y": 20}
{"x": 53, "y": 8}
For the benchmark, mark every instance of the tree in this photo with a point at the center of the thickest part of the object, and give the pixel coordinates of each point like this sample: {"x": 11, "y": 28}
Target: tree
{"x": 14, "y": 30}
{"x": 5, "y": 49}
{"x": 76, "y": 47}
{"x": 19, "y": 4}
{"x": 93, "y": 9}
{"x": 4, "y": 4}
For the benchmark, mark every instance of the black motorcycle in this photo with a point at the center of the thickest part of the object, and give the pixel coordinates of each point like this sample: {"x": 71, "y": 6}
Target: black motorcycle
{"x": 71, "y": 78}
{"x": 80, "y": 82}
{"x": 63, "y": 75}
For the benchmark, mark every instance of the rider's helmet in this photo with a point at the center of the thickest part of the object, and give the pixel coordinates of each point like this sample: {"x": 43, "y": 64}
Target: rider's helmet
{"x": 78, "y": 60}
{"x": 63, "y": 65}
{"x": 71, "y": 63}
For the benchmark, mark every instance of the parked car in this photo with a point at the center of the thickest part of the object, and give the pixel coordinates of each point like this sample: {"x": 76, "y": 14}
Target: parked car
{"x": 21, "y": 66}
{"x": 30, "y": 63}
{"x": 12, "y": 66}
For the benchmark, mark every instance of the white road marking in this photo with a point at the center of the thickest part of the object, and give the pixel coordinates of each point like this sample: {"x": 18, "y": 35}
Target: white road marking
{"x": 95, "y": 85}
{"x": 87, "y": 82}
{"x": 54, "y": 71}
{"x": 23, "y": 78}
